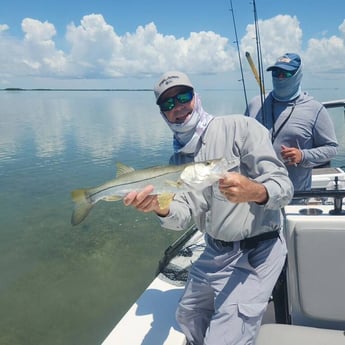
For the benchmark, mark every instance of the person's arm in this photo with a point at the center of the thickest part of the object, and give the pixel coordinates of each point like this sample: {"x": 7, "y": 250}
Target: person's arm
{"x": 324, "y": 142}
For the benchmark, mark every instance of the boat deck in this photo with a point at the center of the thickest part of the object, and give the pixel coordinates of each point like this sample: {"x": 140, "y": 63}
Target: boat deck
{"x": 151, "y": 319}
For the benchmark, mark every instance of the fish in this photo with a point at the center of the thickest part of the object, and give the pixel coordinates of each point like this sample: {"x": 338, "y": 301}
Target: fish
{"x": 167, "y": 180}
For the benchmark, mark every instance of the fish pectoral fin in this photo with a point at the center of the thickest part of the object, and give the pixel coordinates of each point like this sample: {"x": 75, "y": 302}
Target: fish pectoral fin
{"x": 112, "y": 198}
{"x": 123, "y": 169}
{"x": 164, "y": 200}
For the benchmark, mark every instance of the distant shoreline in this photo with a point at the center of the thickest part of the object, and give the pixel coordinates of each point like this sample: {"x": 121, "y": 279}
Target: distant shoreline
{"x": 49, "y": 89}
{"x": 122, "y": 89}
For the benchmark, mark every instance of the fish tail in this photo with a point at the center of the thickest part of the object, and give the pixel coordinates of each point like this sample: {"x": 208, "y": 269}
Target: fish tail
{"x": 82, "y": 206}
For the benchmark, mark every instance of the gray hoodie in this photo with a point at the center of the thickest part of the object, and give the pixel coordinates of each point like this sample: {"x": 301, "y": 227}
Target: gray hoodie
{"x": 308, "y": 127}
{"x": 246, "y": 144}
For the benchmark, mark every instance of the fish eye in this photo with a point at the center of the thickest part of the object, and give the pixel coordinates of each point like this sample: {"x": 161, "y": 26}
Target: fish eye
{"x": 207, "y": 163}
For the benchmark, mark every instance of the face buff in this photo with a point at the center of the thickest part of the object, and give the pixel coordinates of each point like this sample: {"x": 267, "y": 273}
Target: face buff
{"x": 188, "y": 133}
{"x": 287, "y": 89}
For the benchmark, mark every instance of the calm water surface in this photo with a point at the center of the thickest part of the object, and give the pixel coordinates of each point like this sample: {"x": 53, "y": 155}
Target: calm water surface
{"x": 70, "y": 285}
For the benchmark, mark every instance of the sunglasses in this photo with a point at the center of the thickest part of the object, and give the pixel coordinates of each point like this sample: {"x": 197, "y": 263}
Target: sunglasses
{"x": 280, "y": 73}
{"x": 169, "y": 103}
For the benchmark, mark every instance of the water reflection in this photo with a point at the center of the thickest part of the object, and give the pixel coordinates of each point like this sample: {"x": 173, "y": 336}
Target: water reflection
{"x": 64, "y": 285}
{"x": 99, "y": 123}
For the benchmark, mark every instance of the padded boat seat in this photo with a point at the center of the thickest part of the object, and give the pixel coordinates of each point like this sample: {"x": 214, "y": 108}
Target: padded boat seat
{"x": 273, "y": 334}
{"x": 316, "y": 270}
{"x": 315, "y": 281}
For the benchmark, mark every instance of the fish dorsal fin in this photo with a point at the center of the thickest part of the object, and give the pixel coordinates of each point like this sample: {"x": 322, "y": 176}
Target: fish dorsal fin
{"x": 123, "y": 169}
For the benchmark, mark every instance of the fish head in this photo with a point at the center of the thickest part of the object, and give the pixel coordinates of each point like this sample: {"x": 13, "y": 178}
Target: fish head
{"x": 200, "y": 175}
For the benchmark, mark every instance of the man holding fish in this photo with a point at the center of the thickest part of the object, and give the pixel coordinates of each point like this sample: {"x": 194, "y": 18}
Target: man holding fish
{"x": 230, "y": 284}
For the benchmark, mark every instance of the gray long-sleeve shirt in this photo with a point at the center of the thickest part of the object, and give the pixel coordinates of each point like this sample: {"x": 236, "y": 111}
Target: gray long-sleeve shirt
{"x": 246, "y": 145}
{"x": 303, "y": 123}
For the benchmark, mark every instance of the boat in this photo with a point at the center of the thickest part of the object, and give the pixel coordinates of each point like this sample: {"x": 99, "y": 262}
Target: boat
{"x": 307, "y": 305}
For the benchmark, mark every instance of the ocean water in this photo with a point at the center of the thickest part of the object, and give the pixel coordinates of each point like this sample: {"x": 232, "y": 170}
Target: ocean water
{"x": 68, "y": 285}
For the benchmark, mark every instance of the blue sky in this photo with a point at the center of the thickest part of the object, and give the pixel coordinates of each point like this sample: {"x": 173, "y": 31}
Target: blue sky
{"x": 110, "y": 43}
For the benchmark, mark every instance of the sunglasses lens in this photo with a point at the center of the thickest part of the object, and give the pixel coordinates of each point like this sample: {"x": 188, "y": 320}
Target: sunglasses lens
{"x": 185, "y": 97}
{"x": 167, "y": 105}
{"x": 278, "y": 73}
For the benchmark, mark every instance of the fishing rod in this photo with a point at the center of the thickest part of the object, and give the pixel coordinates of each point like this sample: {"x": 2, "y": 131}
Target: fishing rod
{"x": 260, "y": 74}
{"x": 239, "y": 54}
{"x": 255, "y": 72}
{"x": 258, "y": 48}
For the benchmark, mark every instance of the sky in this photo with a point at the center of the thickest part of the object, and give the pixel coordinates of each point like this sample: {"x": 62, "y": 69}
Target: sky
{"x": 129, "y": 43}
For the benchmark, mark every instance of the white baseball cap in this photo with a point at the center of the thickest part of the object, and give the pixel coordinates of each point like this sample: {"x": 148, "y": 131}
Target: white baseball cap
{"x": 169, "y": 80}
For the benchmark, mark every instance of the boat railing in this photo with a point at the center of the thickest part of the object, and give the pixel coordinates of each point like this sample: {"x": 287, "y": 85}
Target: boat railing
{"x": 334, "y": 104}
{"x": 336, "y": 194}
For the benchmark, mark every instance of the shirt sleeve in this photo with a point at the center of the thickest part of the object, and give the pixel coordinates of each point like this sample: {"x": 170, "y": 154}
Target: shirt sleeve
{"x": 324, "y": 141}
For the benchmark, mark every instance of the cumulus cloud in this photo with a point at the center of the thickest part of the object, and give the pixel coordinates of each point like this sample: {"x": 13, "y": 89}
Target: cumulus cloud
{"x": 327, "y": 54}
{"x": 278, "y": 35}
{"x": 93, "y": 44}
{"x": 39, "y": 52}
{"x": 95, "y": 50}
{"x": 4, "y": 27}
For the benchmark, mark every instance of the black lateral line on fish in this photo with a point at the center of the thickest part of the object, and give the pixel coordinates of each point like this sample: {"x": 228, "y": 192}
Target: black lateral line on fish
{"x": 131, "y": 182}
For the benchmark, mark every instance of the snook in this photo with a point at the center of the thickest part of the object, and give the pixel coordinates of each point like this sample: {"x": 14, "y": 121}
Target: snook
{"x": 166, "y": 180}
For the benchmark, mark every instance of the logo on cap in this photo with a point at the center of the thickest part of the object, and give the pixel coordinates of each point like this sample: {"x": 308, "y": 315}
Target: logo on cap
{"x": 284, "y": 59}
{"x": 168, "y": 80}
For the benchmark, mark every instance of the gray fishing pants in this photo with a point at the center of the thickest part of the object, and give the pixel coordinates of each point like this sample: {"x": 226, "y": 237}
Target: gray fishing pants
{"x": 227, "y": 292}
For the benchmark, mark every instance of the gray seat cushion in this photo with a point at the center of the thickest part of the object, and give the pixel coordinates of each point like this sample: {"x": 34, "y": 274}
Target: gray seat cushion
{"x": 277, "y": 334}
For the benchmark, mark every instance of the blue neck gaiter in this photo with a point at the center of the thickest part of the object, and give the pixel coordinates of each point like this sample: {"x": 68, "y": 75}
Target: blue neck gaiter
{"x": 287, "y": 89}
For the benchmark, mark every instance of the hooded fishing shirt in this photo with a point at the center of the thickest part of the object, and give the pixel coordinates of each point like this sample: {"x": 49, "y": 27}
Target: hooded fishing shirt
{"x": 246, "y": 145}
{"x": 303, "y": 123}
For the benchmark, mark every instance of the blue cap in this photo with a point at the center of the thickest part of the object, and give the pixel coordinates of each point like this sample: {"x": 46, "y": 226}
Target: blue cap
{"x": 288, "y": 62}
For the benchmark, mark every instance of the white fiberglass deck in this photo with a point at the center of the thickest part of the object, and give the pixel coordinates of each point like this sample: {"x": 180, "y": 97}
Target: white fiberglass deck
{"x": 151, "y": 320}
